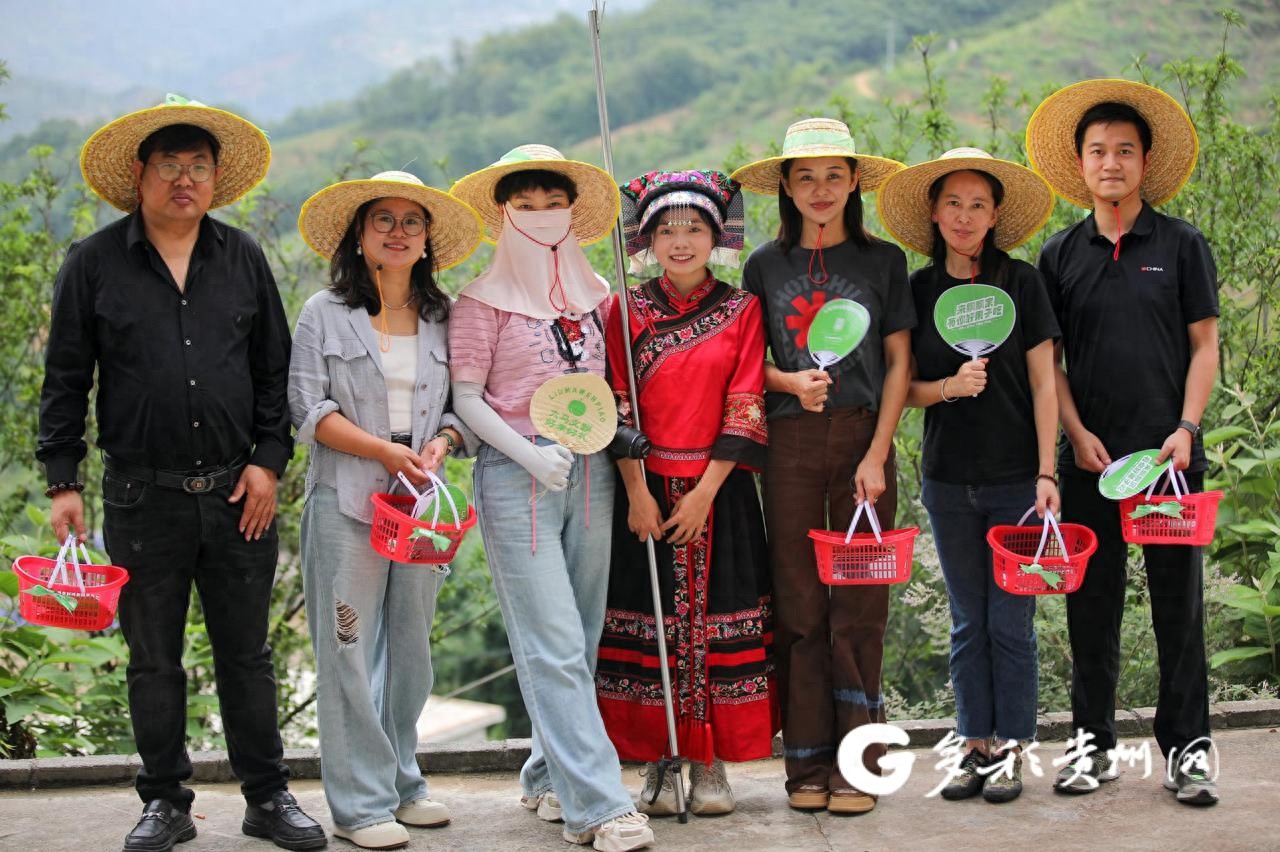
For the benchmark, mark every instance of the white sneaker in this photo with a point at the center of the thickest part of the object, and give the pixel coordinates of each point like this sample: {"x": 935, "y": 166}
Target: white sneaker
{"x": 664, "y": 804}
{"x": 384, "y": 835}
{"x": 620, "y": 834}
{"x": 710, "y": 793}
{"x": 549, "y": 807}
{"x": 423, "y": 813}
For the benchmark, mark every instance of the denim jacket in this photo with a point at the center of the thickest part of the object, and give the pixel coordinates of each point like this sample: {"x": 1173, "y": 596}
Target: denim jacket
{"x": 336, "y": 366}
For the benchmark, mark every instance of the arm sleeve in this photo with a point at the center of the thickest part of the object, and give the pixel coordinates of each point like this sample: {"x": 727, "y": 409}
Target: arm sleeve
{"x": 488, "y": 425}
{"x": 743, "y": 432}
{"x": 309, "y": 400}
{"x": 269, "y": 368}
{"x": 70, "y": 356}
{"x": 1197, "y": 278}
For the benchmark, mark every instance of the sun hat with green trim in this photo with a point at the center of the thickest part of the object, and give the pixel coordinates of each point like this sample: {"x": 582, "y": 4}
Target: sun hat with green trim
{"x": 904, "y": 206}
{"x": 107, "y": 158}
{"x": 1051, "y": 142}
{"x": 808, "y": 139}
{"x": 454, "y": 230}
{"x": 595, "y": 212}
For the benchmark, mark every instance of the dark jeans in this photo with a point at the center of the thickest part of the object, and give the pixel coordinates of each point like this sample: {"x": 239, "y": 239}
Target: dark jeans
{"x": 993, "y": 640}
{"x": 1176, "y": 585}
{"x": 166, "y": 539}
{"x": 828, "y": 640}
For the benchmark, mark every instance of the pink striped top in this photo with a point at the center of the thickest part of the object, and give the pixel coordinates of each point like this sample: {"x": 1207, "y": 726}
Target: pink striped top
{"x": 513, "y": 354}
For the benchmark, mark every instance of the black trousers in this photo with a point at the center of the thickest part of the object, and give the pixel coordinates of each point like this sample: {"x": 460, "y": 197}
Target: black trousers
{"x": 1176, "y": 585}
{"x": 167, "y": 539}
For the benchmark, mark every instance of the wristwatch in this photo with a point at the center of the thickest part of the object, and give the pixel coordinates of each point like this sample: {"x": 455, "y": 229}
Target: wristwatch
{"x": 1193, "y": 428}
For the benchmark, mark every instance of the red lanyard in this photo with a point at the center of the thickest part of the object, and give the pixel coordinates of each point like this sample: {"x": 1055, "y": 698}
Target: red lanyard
{"x": 556, "y": 283}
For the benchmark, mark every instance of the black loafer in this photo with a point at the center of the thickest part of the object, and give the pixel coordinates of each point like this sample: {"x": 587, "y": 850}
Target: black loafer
{"x": 284, "y": 823}
{"x": 161, "y": 826}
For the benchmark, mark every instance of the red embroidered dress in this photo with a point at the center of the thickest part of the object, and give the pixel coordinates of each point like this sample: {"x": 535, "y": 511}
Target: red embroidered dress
{"x": 699, "y": 364}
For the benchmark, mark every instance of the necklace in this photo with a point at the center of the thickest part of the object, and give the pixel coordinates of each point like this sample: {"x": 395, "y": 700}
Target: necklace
{"x": 407, "y": 303}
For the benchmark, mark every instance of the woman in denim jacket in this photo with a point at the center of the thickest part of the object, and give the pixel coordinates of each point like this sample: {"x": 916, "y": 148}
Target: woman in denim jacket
{"x": 369, "y": 391}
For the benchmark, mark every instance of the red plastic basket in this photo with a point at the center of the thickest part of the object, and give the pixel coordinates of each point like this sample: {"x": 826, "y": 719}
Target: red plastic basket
{"x": 1194, "y": 527}
{"x": 392, "y": 528}
{"x": 862, "y": 560}
{"x": 1016, "y": 548}
{"x": 94, "y": 607}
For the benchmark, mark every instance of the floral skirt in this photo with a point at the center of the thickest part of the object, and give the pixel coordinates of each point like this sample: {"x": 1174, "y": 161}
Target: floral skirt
{"x": 717, "y": 616}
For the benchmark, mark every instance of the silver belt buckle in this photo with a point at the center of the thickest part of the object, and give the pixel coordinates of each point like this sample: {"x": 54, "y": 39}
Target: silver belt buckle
{"x": 197, "y": 484}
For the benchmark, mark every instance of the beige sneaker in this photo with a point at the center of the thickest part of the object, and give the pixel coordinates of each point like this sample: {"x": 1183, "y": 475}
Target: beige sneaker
{"x": 620, "y": 834}
{"x": 423, "y": 813}
{"x": 664, "y": 803}
{"x": 384, "y": 835}
{"x": 710, "y": 793}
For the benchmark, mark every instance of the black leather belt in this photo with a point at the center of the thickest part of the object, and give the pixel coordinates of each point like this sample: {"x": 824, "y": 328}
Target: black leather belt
{"x": 405, "y": 438}
{"x": 199, "y": 483}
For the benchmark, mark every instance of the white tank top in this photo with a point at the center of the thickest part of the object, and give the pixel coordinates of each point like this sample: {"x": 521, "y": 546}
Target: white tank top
{"x": 400, "y": 368}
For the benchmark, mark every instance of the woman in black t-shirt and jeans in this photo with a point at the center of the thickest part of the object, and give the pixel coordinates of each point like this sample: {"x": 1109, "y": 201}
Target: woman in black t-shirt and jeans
{"x": 990, "y": 430}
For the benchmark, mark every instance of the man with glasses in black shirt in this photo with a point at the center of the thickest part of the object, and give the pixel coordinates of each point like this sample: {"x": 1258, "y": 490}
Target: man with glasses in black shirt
{"x": 1136, "y": 296}
{"x": 180, "y": 315}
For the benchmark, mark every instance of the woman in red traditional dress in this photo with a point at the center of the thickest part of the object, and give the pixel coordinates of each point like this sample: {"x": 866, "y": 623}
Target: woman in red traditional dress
{"x": 698, "y": 348}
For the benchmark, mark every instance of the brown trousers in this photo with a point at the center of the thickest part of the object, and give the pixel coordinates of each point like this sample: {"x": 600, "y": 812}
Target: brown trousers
{"x": 828, "y": 640}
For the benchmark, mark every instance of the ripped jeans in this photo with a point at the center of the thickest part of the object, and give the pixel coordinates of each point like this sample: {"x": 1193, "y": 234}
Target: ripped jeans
{"x": 370, "y": 624}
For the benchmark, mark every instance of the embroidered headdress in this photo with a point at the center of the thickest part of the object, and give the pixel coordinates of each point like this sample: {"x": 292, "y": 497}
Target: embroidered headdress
{"x": 710, "y": 191}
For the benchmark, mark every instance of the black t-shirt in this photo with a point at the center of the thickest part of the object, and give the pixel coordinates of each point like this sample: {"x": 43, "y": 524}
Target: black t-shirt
{"x": 875, "y": 276}
{"x": 1124, "y": 325}
{"x": 991, "y": 438}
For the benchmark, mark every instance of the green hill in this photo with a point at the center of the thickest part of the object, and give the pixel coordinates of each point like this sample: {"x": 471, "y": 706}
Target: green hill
{"x": 710, "y": 82}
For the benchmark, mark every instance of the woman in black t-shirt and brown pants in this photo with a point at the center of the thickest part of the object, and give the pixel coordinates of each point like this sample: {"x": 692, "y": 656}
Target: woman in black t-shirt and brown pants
{"x": 990, "y": 429}
{"x": 830, "y": 442}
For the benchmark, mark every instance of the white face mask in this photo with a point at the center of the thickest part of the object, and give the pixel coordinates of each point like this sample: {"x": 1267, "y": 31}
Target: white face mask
{"x": 547, "y": 226}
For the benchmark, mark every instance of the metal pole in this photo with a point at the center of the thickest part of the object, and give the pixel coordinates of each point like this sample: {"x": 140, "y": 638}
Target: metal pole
{"x": 593, "y": 23}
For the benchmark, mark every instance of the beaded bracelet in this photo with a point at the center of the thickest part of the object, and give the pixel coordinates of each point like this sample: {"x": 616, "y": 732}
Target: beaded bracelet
{"x": 1048, "y": 476}
{"x": 59, "y": 487}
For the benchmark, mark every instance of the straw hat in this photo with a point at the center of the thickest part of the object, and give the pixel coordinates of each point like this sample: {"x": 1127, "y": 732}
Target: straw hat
{"x": 594, "y": 212}
{"x": 905, "y": 210}
{"x": 1051, "y": 143}
{"x": 107, "y": 159}
{"x": 454, "y": 230}
{"x": 810, "y": 138}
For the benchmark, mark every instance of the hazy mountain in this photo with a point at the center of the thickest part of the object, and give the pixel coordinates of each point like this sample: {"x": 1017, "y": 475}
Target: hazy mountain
{"x": 90, "y": 60}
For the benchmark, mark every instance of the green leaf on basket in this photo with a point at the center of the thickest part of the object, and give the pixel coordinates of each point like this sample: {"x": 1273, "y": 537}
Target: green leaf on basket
{"x": 439, "y": 542}
{"x": 1171, "y": 508}
{"x": 1051, "y": 579}
{"x": 68, "y": 602}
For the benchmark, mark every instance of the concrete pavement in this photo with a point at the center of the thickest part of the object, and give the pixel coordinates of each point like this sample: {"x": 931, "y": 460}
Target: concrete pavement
{"x": 1130, "y": 814}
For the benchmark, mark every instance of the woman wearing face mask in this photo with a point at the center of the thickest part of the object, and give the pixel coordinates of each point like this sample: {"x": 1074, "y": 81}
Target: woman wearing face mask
{"x": 369, "y": 390}
{"x": 990, "y": 430}
{"x": 539, "y": 312}
{"x": 830, "y": 443}
{"x": 698, "y": 348}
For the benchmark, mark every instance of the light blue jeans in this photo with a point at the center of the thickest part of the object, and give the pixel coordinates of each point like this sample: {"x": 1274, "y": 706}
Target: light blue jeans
{"x": 370, "y": 623}
{"x": 994, "y": 669}
{"x": 552, "y": 600}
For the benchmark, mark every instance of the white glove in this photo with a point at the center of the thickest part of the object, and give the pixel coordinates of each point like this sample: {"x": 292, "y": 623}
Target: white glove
{"x": 550, "y": 466}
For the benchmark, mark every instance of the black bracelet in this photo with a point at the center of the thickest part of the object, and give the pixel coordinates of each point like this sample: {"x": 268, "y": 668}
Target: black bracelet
{"x": 59, "y": 487}
{"x": 1048, "y": 476}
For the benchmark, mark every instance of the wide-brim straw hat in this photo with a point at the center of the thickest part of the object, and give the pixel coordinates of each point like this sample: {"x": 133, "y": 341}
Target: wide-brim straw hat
{"x": 454, "y": 230}
{"x": 595, "y": 211}
{"x": 107, "y": 159}
{"x": 808, "y": 139}
{"x": 1051, "y": 143}
{"x": 904, "y": 206}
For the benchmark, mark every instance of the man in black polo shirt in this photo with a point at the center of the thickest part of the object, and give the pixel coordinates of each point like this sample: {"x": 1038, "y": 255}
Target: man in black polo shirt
{"x": 181, "y": 317}
{"x": 1135, "y": 293}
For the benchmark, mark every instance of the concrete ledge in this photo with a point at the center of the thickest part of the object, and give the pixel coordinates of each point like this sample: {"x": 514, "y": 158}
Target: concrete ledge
{"x": 509, "y": 755}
